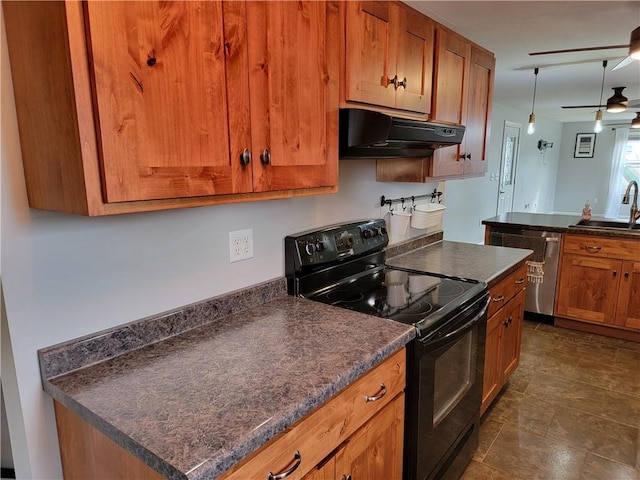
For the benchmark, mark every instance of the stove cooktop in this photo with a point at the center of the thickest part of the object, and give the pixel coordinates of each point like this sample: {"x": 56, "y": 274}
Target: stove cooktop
{"x": 415, "y": 298}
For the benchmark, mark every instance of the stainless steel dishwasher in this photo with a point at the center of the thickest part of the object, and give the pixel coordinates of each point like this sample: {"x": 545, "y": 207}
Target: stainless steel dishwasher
{"x": 543, "y": 267}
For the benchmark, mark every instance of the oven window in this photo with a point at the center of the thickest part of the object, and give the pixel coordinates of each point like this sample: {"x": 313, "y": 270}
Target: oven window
{"x": 455, "y": 372}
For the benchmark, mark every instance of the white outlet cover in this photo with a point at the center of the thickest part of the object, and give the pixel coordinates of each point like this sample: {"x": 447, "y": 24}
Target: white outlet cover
{"x": 240, "y": 245}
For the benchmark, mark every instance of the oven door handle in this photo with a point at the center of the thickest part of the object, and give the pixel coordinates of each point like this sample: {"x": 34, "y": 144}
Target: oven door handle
{"x": 465, "y": 327}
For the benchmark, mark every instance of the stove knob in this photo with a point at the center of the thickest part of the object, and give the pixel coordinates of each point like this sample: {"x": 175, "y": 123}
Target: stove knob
{"x": 368, "y": 233}
{"x": 319, "y": 246}
{"x": 382, "y": 230}
{"x": 310, "y": 248}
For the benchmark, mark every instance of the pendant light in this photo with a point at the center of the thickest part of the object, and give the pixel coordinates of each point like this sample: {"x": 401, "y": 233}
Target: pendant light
{"x": 597, "y": 128}
{"x": 635, "y": 123}
{"x": 618, "y": 102}
{"x": 532, "y": 118}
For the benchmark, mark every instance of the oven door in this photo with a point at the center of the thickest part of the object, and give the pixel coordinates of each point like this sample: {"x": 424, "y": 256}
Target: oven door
{"x": 444, "y": 392}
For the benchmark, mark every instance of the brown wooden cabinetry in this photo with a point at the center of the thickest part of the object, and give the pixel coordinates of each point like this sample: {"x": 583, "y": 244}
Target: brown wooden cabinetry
{"x": 155, "y": 105}
{"x": 463, "y": 93}
{"x": 599, "y": 283}
{"x": 388, "y": 56}
{"x": 504, "y": 333}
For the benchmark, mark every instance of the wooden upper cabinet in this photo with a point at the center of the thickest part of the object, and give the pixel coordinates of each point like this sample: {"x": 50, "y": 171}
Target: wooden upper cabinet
{"x": 479, "y": 108}
{"x": 389, "y": 56}
{"x": 450, "y": 99}
{"x": 153, "y": 105}
{"x": 161, "y": 99}
{"x": 463, "y": 93}
{"x": 294, "y": 68}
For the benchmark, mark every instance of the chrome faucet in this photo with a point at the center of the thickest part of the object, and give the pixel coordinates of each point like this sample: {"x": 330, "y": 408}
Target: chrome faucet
{"x": 634, "y": 213}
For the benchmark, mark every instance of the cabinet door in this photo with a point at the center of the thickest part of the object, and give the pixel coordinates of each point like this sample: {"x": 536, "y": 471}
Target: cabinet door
{"x": 588, "y": 288}
{"x": 628, "y": 307}
{"x": 450, "y": 97}
{"x": 511, "y": 336}
{"x": 491, "y": 376}
{"x": 375, "y": 451}
{"x": 294, "y": 94}
{"x": 369, "y": 46}
{"x": 414, "y": 67}
{"x": 161, "y": 99}
{"x": 478, "y": 124}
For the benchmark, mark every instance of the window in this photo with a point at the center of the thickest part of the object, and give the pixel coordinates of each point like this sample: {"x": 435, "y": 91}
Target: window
{"x": 631, "y": 168}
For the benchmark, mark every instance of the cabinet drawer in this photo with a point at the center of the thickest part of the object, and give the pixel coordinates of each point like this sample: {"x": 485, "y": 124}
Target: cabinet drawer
{"x": 507, "y": 289}
{"x": 623, "y": 249}
{"x": 324, "y": 429}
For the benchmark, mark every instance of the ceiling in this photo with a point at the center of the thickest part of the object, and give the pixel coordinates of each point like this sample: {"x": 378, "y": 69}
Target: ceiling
{"x": 512, "y": 29}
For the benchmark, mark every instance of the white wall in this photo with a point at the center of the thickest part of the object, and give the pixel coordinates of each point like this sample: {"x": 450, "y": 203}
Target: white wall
{"x": 469, "y": 201}
{"x": 584, "y": 179}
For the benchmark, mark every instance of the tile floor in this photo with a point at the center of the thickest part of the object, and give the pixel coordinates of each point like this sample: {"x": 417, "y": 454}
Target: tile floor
{"x": 570, "y": 411}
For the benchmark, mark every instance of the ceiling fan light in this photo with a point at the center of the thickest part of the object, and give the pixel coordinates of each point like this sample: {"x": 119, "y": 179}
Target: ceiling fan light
{"x": 617, "y": 102}
{"x": 635, "y": 123}
{"x": 634, "y": 44}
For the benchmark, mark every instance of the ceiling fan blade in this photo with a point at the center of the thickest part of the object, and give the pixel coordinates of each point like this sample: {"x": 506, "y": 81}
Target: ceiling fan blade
{"x": 623, "y": 63}
{"x": 584, "y": 49}
{"x": 583, "y": 106}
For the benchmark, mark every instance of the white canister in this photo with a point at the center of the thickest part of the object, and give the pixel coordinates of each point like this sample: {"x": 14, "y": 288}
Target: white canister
{"x": 399, "y": 224}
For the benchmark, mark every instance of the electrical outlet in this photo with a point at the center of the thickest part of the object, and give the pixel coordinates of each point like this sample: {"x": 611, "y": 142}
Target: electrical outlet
{"x": 240, "y": 245}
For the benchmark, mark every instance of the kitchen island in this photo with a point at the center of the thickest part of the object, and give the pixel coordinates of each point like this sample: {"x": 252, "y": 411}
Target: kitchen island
{"x": 598, "y": 275}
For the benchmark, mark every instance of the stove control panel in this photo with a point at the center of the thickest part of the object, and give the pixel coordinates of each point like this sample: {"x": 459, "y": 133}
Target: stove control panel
{"x": 334, "y": 243}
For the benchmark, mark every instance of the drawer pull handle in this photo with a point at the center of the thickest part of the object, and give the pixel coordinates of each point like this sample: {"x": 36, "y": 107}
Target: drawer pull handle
{"x": 347, "y": 477}
{"x": 499, "y": 298}
{"x": 592, "y": 249}
{"x": 279, "y": 476}
{"x": 381, "y": 393}
{"x": 626, "y": 274}
{"x": 615, "y": 273}
{"x": 520, "y": 281}
{"x": 507, "y": 322}
{"x": 245, "y": 157}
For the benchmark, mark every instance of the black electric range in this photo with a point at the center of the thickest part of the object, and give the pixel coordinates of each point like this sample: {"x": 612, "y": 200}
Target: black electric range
{"x": 344, "y": 266}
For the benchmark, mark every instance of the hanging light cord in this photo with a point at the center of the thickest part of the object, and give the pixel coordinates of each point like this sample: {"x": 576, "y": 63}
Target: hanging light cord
{"x": 535, "y": 85}
{"x": 604, "y": 70}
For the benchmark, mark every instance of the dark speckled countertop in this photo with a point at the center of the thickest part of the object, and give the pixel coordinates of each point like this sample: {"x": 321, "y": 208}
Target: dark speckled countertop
{"x": 554, "y": 223}
{"x": 467, "y": 260}
{"x": 195, "y": 403}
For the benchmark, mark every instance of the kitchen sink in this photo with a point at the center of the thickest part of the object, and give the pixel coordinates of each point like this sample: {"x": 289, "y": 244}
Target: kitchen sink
{"x": 605, "y": 225}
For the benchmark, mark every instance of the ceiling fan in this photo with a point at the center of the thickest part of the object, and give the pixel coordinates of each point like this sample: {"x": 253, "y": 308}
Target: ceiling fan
{"x": 633, "y": 46}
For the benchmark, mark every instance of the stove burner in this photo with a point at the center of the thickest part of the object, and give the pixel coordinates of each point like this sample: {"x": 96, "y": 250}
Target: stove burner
{"x": 344, "y": 296}
{"x": 419, "y": 309}
{"x": 450, "y": 289}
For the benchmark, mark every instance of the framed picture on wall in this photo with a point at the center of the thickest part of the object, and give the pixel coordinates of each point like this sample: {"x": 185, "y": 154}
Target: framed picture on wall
{"x": 585, "y": 145}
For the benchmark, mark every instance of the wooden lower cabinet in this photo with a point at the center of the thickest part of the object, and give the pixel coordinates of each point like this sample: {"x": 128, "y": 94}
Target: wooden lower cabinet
{"x": 599, "y": 285}
{"x": 504, "y": 334}
{"x": 374, "y": 451}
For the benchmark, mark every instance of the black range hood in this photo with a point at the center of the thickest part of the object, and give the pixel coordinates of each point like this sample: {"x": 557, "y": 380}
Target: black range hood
{"x": 369, "y": 134}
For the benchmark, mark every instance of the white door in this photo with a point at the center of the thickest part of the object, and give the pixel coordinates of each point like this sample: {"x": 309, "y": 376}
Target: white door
{"x": 507, "y": 179}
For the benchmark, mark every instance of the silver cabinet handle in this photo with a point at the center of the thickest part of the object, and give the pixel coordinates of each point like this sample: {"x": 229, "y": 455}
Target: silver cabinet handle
{"x": 592, "y": 249}
{"x": 520, "y": 281}
{"x": 499, "y": 298}
{"x": 279, "y": 476}
{"x": 381, "y": 393}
